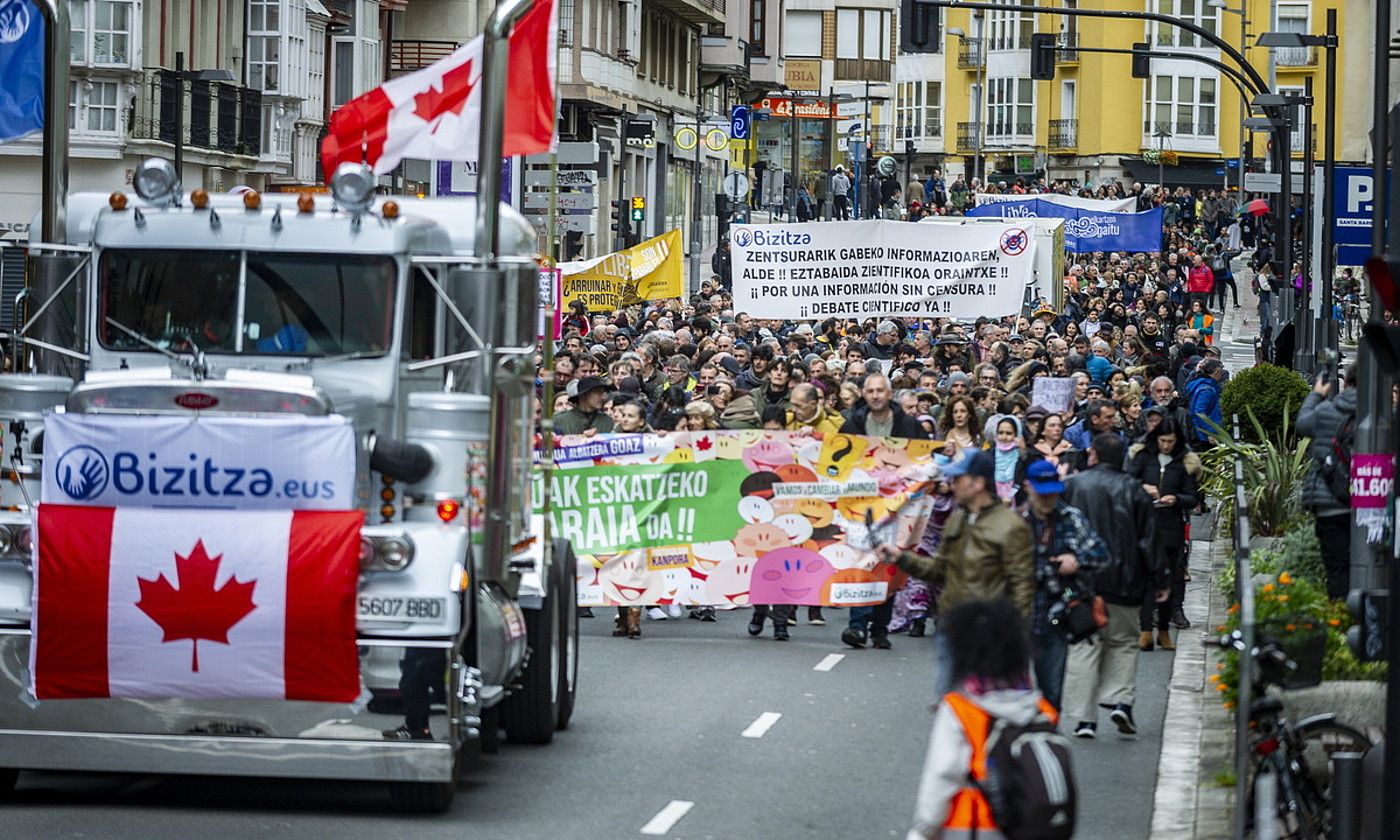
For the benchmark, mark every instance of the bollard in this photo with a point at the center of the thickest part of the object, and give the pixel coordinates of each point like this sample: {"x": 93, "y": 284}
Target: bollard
{"x": 1346, "y": 795}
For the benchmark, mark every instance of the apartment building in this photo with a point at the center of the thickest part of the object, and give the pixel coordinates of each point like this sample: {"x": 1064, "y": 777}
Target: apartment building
{"x": 1094, "y": 120}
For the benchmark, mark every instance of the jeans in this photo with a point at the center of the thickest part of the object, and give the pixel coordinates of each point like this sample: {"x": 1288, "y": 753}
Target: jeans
{"x": 942, "y": 666}
{"x": 876, "y": 617}
{"x": 1222, "y": 281}
{"x": 420, "y": 667}
{"x": 1334, "y": 535}
{"x": 1049, "y": 650}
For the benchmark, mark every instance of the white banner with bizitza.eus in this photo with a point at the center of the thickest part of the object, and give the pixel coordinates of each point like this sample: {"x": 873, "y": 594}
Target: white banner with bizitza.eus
{"x": 880, "y": 269}
{"x": 233, "y": 463}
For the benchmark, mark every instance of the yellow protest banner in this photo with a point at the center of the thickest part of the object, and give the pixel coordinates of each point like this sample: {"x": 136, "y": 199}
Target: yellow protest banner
{"x": 651, "y": 270}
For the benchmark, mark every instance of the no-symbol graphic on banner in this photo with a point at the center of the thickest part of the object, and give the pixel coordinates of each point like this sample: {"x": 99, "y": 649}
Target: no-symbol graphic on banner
{"x": 1014, "y": 241}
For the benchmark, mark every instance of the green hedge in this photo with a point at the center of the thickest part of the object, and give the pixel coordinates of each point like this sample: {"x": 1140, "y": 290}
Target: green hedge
{"x": 1272, "y": 392}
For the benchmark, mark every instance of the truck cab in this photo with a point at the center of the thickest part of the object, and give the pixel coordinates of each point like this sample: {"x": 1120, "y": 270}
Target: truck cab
{"x": 371, "y": 308}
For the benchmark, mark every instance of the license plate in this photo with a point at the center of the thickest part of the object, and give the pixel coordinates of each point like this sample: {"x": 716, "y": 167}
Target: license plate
{"x": 374, "y": 608}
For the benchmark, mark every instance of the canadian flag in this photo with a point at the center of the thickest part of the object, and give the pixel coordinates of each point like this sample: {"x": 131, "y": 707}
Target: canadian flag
{"x": 435, "y": 113}
{"x": 141, "y": 602}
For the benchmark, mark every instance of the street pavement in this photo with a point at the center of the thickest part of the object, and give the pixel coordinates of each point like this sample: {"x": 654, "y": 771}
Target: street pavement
{"x": 660, "y": 721}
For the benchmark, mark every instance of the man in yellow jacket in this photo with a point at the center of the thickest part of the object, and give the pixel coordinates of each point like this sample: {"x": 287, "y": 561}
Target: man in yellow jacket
{"x": 808, "y": 412}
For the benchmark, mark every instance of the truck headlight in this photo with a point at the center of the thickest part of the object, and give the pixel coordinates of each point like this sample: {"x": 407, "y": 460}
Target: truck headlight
{"x": 352, "y": 187}
{"x": 393, "y": 554}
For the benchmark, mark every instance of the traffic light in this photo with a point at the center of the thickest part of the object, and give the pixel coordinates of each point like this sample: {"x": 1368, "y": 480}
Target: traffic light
{"x": 1142, "y": 60}
{"x": 1366, "y": 637}
{"x": 620, "y": 225}
{"x": 919, "y": 30}
{"x": 1042, "y": 56}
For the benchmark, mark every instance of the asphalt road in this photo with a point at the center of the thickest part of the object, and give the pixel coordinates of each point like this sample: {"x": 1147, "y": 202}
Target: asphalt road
{"x": 659, "y": 721}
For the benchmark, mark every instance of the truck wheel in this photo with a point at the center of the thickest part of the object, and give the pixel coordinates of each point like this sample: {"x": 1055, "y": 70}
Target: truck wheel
{"x": 568, "y": 619}
{"x": 531, "y": 712}
{"x": 422, "y": 797}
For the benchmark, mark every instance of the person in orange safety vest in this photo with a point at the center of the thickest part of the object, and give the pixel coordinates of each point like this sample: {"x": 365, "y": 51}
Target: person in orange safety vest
{"x": 991, "y": 678}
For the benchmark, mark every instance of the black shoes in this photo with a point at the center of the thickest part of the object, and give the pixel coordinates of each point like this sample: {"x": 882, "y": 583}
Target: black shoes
{"x": 1085, "y": 729}
{"x": 851, "y": 636}
{"x": 585, "y": 612}
{"x": 703, "y": 613}
{"x": 814, "y": 616}
{"x": 755, "y": 627}
{"x": 916, "y": 628}
{"x": 1122, "y": 717}
{"x": 780, "y": 633}
{"x": 1179, "y": 620}
{"x": 881, "y": 643}
{"x": 403, "y": 733}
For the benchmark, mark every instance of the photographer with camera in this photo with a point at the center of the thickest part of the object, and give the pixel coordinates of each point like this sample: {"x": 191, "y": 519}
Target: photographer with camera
{"x": 1065, "y": 545}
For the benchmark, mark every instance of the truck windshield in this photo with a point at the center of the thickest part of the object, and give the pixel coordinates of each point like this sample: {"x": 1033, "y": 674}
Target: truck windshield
{"x": 285, "y": 303}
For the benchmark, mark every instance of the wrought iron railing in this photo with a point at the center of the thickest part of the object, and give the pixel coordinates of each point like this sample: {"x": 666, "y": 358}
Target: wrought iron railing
{"x": 1067, "y": 48}
{"x": 967, "y": 136}
{"x": 1064, "y": 134}
{"x": 218, "y": 116}
{"x": 970, "y": 55}
{"x": 406, "y": 55}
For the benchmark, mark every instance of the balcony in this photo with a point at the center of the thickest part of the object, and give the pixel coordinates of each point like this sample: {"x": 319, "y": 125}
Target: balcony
{"x": 725, "y": 55}
{"x": 970, "y": 55}
{"x": 405, "y": 55}
{"x": 863, "y": 69}
{"x": 218, "y": 117}
{"x": 1295, "y": 57}
{"x": 1064, "y": 134}
{"x": 882, "y": 139}
{"x": 967, "y": 137}
{"x": 1010, "y": 134}
{"x": 1067, "y": 48}
{"x": 702, "y": 13}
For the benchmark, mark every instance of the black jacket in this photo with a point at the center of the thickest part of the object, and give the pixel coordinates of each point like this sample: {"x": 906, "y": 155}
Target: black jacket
{"x": 904, "y": 426}
{"x": 1121, "y": 511}
{"x": 1178, "y": 479}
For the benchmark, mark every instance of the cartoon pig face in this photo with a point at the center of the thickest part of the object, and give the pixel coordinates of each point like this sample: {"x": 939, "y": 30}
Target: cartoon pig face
{"x": 626, "y": 581}
{"x": 728, "y": 584}
{"x": 758, "y": 538}
{"x": 789, "y": 576}
{"x": 767, "y": 455}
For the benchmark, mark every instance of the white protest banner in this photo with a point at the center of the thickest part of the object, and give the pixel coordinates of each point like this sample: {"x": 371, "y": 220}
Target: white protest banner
{"x": 242, "y": 463}
{"x": 881, "y": 269}
{"x": 1098, "y": 205}
{"x": 1053, "y": 393}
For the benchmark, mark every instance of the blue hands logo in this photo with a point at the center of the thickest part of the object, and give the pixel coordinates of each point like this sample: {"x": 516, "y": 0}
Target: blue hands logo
{"x": 742, "y": 237}
{"x": 14, "y": 21}
{"x": 82, "y": 472}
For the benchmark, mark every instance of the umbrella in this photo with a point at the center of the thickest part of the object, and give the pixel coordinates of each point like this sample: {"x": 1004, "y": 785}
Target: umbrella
{"x": 1258, "y": 207}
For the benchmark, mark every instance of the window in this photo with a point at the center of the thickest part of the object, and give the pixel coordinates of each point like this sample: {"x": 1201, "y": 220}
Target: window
{"x": 1189, "y": 11}
{"x": 1293, "y": 17}
{"x": 102, "y": 107}
{"x": 343, "y": 69}
{"x": 1295, "y": 136}
{"x": 1181, "y": 105}
{"x": 1010, "y": 107}
{"x": 804, "y": 34}
{"x": 758, "y": 27}
{"x": 863, "y": 44}
{"x": 1011, "y": 30}
{"x": 918, "y": 110}
{"x": 102, "y": 32}
{"x": 264, "y": 44}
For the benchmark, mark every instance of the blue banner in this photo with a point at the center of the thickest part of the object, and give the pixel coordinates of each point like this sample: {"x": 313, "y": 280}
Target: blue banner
{"x": 21, "y": 68}
{"x": 1087, "y": 230}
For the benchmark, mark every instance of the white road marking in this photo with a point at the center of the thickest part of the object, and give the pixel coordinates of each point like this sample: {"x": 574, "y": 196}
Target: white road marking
{"x": 667, "y": 817}
{"x": 829, "y": 662}
{"x": 763, "y": 724}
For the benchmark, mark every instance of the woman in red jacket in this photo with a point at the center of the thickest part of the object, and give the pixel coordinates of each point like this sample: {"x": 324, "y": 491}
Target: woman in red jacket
{"x": 1200, "y": 282}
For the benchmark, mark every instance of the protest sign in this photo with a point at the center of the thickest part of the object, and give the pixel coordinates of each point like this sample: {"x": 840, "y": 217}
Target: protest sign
{"x": 1053, "y": 393}
{"x": 736, "y": 518}
{"x": 1085, "y": 230}
{"x": 1097, "y": 205}
{"x": 649, "y": 271}
{"x": 881, "y": 268}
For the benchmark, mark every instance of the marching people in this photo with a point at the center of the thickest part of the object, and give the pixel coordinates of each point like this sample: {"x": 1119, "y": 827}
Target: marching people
{"x": 1169, "y": 472}
{"x": 1103, "y": 671}
{"x": 1325, "y": 418}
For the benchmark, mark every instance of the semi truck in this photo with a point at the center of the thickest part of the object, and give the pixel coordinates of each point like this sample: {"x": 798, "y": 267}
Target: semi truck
{"x": 414, "y": 319}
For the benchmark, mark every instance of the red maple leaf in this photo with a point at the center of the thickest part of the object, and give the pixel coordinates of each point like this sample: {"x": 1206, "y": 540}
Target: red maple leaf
{"x": 456, "y": 87}
{"x": 196, "y": 610}
{"x": 703, "y": 444}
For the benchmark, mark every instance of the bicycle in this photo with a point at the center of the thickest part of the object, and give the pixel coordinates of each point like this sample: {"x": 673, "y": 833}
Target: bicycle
{"x": 1297, "y": 754}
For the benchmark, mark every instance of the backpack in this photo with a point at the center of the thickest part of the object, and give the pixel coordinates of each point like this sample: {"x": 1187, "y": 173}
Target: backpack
{"x": 1335, "y": 469}
{"x": 1030, "y": 780}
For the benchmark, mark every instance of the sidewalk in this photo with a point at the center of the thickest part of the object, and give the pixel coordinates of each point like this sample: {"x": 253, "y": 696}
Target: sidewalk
{"x": 1190, "y": 803}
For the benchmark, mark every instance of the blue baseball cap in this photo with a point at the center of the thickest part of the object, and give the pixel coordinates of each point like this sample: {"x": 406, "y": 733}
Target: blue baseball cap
{"x": 974, "y": 462}
{"x": 1044, "y": 478}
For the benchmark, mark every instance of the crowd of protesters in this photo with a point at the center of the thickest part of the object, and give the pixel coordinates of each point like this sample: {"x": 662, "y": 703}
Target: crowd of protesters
{"x": 1100, "y": 488}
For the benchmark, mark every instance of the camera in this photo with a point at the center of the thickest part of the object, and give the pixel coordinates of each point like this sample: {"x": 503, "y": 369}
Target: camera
{"x": 1047, "y": 577}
